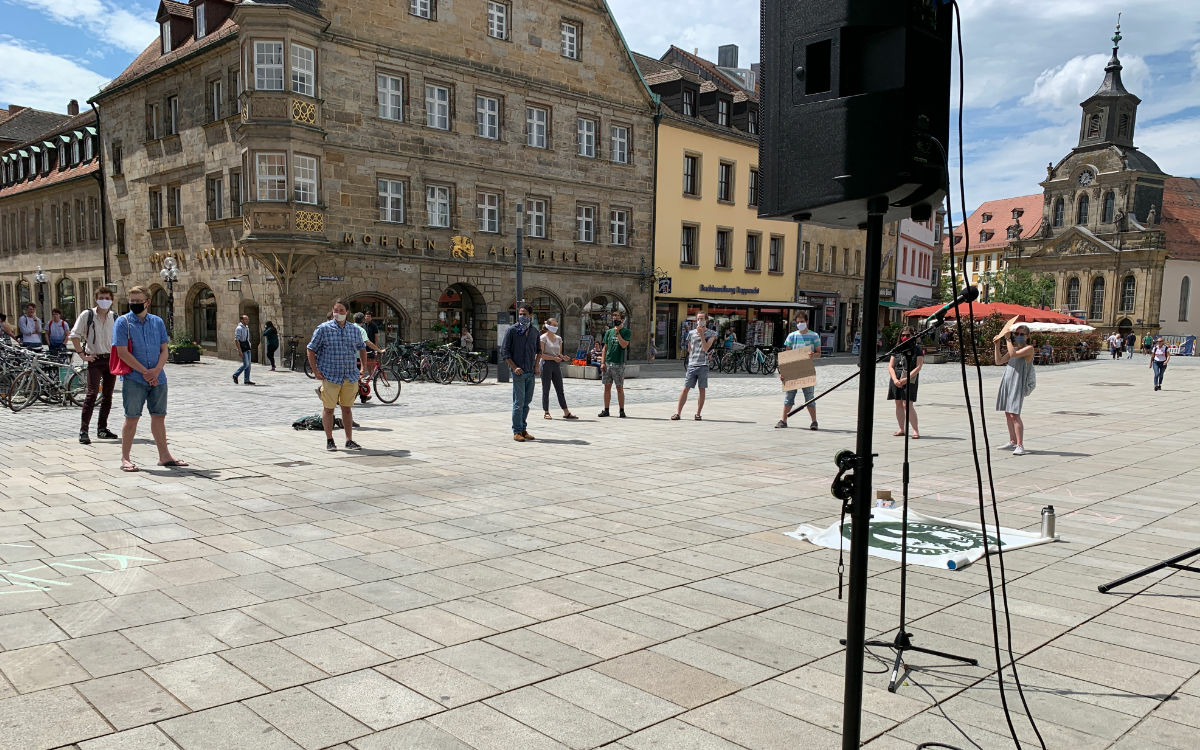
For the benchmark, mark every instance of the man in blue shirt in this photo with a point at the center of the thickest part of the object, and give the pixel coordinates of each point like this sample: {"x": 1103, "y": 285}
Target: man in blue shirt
{"x": 141, "y": 343}
{"x": 335, "y": 354}
{"x": 801, "y": 338}
{"x": 519, "y": 350}
{"x": 241, "y": 336}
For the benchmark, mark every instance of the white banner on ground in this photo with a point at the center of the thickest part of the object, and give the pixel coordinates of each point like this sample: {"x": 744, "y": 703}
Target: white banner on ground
{"x": 934, "y": 542}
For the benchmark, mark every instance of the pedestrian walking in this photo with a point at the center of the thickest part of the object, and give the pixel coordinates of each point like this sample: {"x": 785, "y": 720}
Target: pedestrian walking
{"x": 699, "y": 344}
{"x": 801, "y": 338}
{"x": 1114, "y": 345}
{"x": 612, "y": 369}
{"x": 1160, "y": 355}
{"x": 270, "y": 335}
{"x": 550, "y": 359}
{"x": 30, "y": 327}
{"x": 371, "y": 361}
{"x": 140, "y": 340}
{"x": 335, "y": 354}
{"x": 903, "y": 367}
{"x": 56, "y": 332}
{"x": 92, "y": 338}
{"x": 1130, "y": 343}
{"x": 1147, "y": 342}
{"x": 241, "y": 335}
{"x": 1014, "y": 351}
{"x": 520, "y": 351}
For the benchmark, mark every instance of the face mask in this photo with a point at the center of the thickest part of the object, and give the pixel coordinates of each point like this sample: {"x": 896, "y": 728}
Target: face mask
{"x": 552, "y": 329}
{"x": 617, "y": 323}
{"x": 340, "y": 317}
{"x": 524, "y": 320}
{"x": 1019, "y": 340}
{"x": 137, "y": 308}
{"x": 802, "y": 326}
{"x": 905, "y": 337}
{"x": 103, "y": 304}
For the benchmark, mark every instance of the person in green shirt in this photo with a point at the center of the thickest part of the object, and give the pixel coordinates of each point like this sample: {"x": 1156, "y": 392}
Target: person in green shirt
{"x": 616, "y": 347}
{"x": 1147, "y": 342}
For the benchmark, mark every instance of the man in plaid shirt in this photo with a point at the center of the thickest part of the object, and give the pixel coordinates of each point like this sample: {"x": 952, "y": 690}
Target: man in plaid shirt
{"x": 335, "y": 353}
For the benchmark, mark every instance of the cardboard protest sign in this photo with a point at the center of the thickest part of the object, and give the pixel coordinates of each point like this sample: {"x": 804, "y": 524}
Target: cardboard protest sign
{"x": 1007, "y": 327}
{"x": 797, "y": 369}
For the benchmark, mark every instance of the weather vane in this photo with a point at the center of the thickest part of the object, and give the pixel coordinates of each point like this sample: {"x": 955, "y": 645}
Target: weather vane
{"x": 1116, "y": 40}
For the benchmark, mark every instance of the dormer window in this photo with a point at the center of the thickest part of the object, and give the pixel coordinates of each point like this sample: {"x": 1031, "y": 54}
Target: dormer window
{"x": 689, "y": 103}
{"x": 201, "y": 22}
{"x": 1018, "y": 213}
{"x": 722, "y": 112}
{"x": 987, "y": 218}
{"x": 985, "y": 235}
{"x": 166, "y": 36}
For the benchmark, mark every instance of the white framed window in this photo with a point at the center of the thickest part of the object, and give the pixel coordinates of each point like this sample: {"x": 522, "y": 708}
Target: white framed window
{"x": 153, "y": 128}
{"x": 201, "y": 21}
{"x": 437, "y": 205}
{"x": 722, "y": 112}
{"x": 216, "y": 96}
{"x": 270, "y": 171}
{"x": 172, "y": 115}
{"x": 165, "y": 32}
{"x": 421, "y": 8}
{"x": 214, "y": 194}
{"x": 497, "y": 19}
{"x": 46, "y": 160}
{"x": 391, "y": 201}
{"x": 487, "y": 208}
{"x": 390, "y": 92}
{"x": 487, "y": 117}
{"x": 537, "y": 122}
{"x": 304, "y": 70}
{"x": 585, "y": 223}
{"x": 689, "y": 102}
{"x": 268, "y": 66}
{"x": 74, "y": 155}
{"x": 618, "y": 144}
{"x": 535, "y": 212}
{"x": 569, "y": 32}
{"x": 437, "y": 106}
{"x": 62, "y": 147}
{"x": 618, "y": 226}
{"x": 585, "y": 131}
{"x": 88, "y": 151}
{"x": 304, "y": 177}
{"x": 775, "y": 259}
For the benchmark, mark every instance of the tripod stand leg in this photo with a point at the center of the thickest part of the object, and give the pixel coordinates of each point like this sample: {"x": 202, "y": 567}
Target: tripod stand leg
{"x": 1173, "y": 562}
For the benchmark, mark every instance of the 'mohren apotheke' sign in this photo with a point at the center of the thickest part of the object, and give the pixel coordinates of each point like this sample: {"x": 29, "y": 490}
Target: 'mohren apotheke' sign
{"x": 711, "y": 288}
{"x": 460, "y": 247}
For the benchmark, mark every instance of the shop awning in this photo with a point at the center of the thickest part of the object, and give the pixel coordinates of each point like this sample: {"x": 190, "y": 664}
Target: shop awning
{"x": 898, "y": 305}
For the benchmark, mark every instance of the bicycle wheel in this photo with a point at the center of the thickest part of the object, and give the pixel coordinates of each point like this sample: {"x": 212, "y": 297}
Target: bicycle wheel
{"x": 444, "y": 372}
{"x": 76, "y": 388}
{"x": 386, "y": 385}
{"x": 477, "y": 372}
{"x": 771, "y": 363}
{"x": 308, "y": 368}
{"x": 753, "y": 362}
{"x": 23, "y": 391}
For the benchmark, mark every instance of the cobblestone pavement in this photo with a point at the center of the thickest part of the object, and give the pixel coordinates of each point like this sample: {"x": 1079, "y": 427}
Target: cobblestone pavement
{"x": 619, "y": 583}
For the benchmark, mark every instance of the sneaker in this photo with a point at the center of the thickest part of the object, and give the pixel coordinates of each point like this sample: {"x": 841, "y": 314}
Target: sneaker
{"x": 83, "y": 438}
{"x": 330, "y": 445}
{"x": 622, "y": 414}
{"x": 1019, "y": 451}
{"x": 317, "y": 391}
{"x": 604, "y": 413}
{"x": 518, "y": 437}
{"x": 250, "y": 382}
{"x": 1008, "y": 446}
{"x": 780, "y": 423}
{"x": 105, "y": 434}
{"x": 353, "y": 446}
{"x": 813, "y": 427}
{"x": 235, "y": 379}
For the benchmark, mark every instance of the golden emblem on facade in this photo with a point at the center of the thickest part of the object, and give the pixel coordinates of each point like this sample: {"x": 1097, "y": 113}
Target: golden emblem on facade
{"x": 461, "y": 247}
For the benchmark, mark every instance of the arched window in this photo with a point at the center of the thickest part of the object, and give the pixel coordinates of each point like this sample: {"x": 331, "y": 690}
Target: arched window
{"x": 1097, "y": 311}
{"x": 158, "y": 303}
{"x": 1185, "y": 291}
{"x": 1073, "y": 294}
{"x": 1059, "y": 212}
{"x": 1128, "y": 291}
{"x": 1110, "y": 206}
{"x": 1081, "y": 214}
{"x": 204, "y": 317}
{"x": 66, "y": 299}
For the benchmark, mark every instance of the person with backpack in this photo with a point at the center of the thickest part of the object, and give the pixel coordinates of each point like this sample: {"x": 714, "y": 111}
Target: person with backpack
{"x": 92, "y": 338}
{"x": 57, "y": 332}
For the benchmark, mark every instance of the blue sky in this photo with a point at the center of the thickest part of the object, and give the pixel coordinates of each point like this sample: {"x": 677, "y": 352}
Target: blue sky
{"x": 1028, "y": 65}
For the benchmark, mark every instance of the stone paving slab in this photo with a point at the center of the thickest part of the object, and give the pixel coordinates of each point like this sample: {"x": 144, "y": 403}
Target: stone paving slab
{"x": 620, "y": 583}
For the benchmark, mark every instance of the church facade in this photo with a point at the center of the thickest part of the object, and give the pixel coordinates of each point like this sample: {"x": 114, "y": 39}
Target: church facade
{"x": 1116, "y": 233}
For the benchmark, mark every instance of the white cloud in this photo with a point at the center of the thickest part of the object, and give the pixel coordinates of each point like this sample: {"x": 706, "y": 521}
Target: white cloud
{"x": 33, "y": 78}
{"x": 1064, "y": 86}
{"x": 110, "y": 22}
{"x": 1173, "y": 146}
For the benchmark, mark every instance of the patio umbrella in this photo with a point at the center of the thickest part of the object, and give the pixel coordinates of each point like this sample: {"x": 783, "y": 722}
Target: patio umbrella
{"x": 980, "y": 310}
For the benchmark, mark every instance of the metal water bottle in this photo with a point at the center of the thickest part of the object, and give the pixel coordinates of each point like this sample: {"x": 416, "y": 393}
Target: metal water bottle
{"x": 1048, "y": 522}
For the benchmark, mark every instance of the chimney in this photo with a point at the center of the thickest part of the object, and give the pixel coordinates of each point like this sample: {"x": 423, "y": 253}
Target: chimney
{"x": 73, "y": 107}
{"x": 727, "y": 56}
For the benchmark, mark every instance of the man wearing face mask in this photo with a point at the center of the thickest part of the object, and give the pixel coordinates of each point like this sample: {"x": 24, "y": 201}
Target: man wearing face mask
{"x": 616, "y": 347}
{"x": 801, "y": 338}
{"x": 520, "y": 351}
{"x": 336, "y": 356}
{"x": 92, "y": 338}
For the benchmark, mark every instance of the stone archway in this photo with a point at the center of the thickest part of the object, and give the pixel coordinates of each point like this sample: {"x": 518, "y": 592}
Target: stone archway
{"x": 395, "y": 324}
{"x": 459, "y": 306}
{"x": 596, "y": 313}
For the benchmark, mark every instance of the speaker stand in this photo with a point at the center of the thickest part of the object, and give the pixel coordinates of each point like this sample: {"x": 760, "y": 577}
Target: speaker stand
{"x": 1175, "y": 562}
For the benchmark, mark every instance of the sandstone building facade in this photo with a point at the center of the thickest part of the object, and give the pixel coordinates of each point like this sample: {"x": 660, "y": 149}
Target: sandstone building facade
{"x": 289, "y": 152}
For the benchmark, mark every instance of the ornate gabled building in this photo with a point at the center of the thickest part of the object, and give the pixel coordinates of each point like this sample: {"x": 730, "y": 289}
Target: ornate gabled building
{"x": 1104, "y": 235}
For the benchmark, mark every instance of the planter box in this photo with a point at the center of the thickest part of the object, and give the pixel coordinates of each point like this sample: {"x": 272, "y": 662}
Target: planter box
{"x": 185, "y": 356}
{"x": 589, "y": 372}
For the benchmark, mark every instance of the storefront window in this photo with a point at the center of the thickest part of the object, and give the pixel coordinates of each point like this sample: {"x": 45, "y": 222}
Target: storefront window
{"x": 544, "y": 306}
{"x": 391, "y": 320}
{"x": 597, "y": 314}
{"x": 459, "y": 307}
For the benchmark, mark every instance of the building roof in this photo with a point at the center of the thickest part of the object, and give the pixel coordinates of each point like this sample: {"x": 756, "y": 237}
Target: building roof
{"x": 1000, "y": 212}
{"x": 714, "y": 73}
{"x": 152, "y": 58}
{"x": 28, "y": 124}
{"x": 66, "y": 126}
{"x": 178, "y": 9}
{"x": 55, "y": 177}
{"x": 1181, "y": 217}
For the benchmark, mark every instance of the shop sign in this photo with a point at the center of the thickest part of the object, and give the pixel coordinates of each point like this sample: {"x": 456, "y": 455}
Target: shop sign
{"x": 461, "y": 247}
{"x": 664, "y": 285}
{"x": 331, "y": 278}
{"x": 713, "y": 289}
{"x": 885, "y": 292}
{"x": 801, "y": 299}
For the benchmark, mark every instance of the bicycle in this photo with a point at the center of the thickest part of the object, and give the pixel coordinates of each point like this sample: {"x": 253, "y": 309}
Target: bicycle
{"x": 293, "y": 352}
{"x": 44, "y": 380}
{"x": 761, "y": 359}
{"x": 468, "y": 366}
{"x": 384, "y": 384}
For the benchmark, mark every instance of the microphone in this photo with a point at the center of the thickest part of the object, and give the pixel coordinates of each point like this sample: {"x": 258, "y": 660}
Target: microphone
{"x": 968, "y": 294}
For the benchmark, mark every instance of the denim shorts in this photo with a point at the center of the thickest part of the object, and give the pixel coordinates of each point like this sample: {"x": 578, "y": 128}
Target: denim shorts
{"x": 789, "y": 397}
{"x": 696, "y": 377}
{"x": 135, "y": 395}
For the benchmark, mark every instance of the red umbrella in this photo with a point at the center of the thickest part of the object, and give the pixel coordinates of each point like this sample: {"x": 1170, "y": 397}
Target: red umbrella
{"x": 980, "y": 310}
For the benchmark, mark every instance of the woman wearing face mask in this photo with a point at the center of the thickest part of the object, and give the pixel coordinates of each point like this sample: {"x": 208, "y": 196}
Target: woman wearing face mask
{"x": 549, "y": 358}
{"x": 1016, "y": 353}
{"x": 903, "y": 367}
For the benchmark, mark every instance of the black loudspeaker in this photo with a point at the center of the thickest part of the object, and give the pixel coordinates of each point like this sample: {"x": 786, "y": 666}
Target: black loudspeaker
{"x": 855, "y": 101}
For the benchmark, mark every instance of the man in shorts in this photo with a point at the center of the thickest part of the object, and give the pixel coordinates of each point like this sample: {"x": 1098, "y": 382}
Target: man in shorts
{"x": 336, "y": 356}
{"x": 801, "y": 338}
{"x": 699, "y": 342}
{"x": 616, "y": 347}
{"x": 141, "y": 343}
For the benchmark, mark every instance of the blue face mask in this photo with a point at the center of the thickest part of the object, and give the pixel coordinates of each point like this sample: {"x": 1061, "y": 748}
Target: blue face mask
{"x": 524, "y": 321}
{"x": 1019, "y": 340}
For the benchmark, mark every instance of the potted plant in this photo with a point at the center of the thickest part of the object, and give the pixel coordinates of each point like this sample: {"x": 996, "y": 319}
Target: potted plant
{"x": 182, "y": 349}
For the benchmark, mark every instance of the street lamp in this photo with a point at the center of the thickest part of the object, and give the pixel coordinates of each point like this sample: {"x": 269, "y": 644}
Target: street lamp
{"x": 170, "y": 274}
{"x": 235, "y": 284}
{"x": 40, "y": 278}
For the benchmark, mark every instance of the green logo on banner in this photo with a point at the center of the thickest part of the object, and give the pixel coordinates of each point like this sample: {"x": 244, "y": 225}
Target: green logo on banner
{"x": 923, "y": 538}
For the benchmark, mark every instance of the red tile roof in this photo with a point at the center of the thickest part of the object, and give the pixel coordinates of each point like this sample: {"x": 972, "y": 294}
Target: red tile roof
{"x": 1181, "y": 217}
{"x": 54, "y": 178}
{"x": 178, "y": 9}
{"x": 1000, "y": 220}
{"x": 152, "y": 58}
{"x": 720, "y": 79}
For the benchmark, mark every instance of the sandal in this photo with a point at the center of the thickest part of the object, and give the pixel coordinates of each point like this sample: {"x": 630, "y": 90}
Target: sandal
{"x": 674, "y": 417}
{"x": 915, "y": 436}
{"x": 698, "y": 418}
{"x": 547, "y": 416}
{"x": 129, "y": 466}
{"x": 898, "y": 433}
{"x": 569, "y": 415}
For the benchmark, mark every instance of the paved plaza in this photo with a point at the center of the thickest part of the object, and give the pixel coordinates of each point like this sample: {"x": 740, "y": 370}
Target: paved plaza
{"x": 621, "y": 583}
